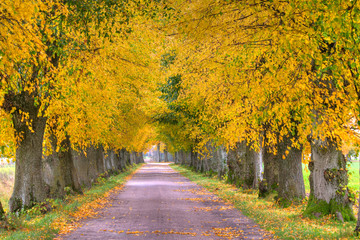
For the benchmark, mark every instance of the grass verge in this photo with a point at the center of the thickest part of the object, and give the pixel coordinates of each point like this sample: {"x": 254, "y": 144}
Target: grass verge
{"x": 66, "y": 213}
{"x": 284, "y": 223}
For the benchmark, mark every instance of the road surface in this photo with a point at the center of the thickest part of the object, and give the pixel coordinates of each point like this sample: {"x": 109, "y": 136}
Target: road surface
{"x": 158, "y": 203}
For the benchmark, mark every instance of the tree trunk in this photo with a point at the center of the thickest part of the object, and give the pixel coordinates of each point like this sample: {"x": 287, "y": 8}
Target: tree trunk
{"x": 291, "y": 180}
{"x": 93, "y": 164}
{"x": 195, "y": 161}
{"x": 176, "y": 157}
{"x": 59, "y": 170}
{"x": 206, "y": 163}
{"x": 357, "y": 229}
{"x": 170, "y": 157}
{"x": 140, "y": 157}
{"x": 222, "y": 162}
{"x": 133, "y": 159}
{"x": 121, "y": 163}
{"x": 233, "y": 166}
{"x": 166, "y": 155}
{"x": 111, "y": 162}
{"x": 271, "y": 169}
{"x": 237, "y": 164}
{"x": 250, "y": 177}
{"x": 270, "y": 180}
{"x": 108, "y": 161}
{"x": 29, "y": 185}
{"x": 328, "y": 182}
{"x": 210, "y": 159}
{"x": 182, "y": 157}
{"x": 81, "y": 164}
{"x": 158, "y": 153}
{"x": 127, "y": 158}
{"x": 258, "y": 169}
{"x": 2, "y": 213}
{"x": 100, "y": 164}
{"x": 241, "y": 163}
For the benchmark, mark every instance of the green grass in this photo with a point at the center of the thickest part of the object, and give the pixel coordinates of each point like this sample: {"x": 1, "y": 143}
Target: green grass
{"x": 34, "y": 225}
{"x": 285, "y": 223}
{"x": 354, "y": 179}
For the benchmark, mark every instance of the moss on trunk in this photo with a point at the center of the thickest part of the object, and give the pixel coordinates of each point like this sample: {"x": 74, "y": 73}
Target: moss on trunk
{"x": 328, "y": 182}
{"x": 319, "y": 208}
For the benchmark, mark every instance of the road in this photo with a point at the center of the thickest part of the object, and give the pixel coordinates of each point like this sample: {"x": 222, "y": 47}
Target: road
{"x": 159, "y": 203}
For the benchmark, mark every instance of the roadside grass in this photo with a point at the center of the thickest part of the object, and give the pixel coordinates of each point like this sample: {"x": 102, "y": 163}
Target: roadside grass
{"x": 354, "y": 178}
{"x": 66, "y": 213}
{"x": 7, "y": 176}
{"x": 284, "y": 223}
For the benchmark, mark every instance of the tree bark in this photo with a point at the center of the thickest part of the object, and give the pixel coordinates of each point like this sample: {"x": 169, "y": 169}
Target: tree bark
{"x": 209, "y": 159}
{"x": 2, "y": 212}
{"x": 270, "y": 180}
{"x": 357, "y": 229}
{"x": 121, "y": 163}
{"x": 250, "y": 177}
{"x": 258, "y": 169}
{"x": 127, "y": 158}
{"x": 81, "y": 164}
{"x": 140, "y": 157}
{"x": 328, "y": 182}
{"x": 93, "y": 163}
{"x": 241, "y": 163}
{"x": 108, "y": 165}
{"x": 133, "y": 158}
{"x": 111, "y": 162}
{"x": 100, "y": 164}
{"x": 193, "y": 159}
{"x": 182, "y": 157}
{"x": 166, "y": 159}
{"x": 176, "y": 158}
{"x": 234, "y": 165}
{"x": 29, "y": 185}
{"x": 59, "y": 170}
{"x": 291, "y": 180}
{"x": 185, "y": 157}
{"x": 158, "y": 153}
{"x": 221, "y": 155}
{"x": 170, "y": 157}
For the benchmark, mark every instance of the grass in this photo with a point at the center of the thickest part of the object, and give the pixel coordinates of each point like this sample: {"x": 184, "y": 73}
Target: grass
{"x": 354, "y": 179}
{"x": 285, "y": 223}
{"x": 7, "y": 176}
{"x": 66, "y": 213}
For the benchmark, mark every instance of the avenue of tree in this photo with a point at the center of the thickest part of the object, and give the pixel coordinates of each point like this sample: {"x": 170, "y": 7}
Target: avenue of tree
{"x": 246, "y": 89}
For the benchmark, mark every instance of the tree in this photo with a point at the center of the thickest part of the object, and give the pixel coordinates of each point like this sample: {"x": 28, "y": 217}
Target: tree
{"x": 269, "y": 61}
{"x": 40, "y": 75}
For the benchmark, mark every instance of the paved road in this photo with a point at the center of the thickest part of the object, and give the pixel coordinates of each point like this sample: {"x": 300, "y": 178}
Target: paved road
{"x": 158, "y": 203}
